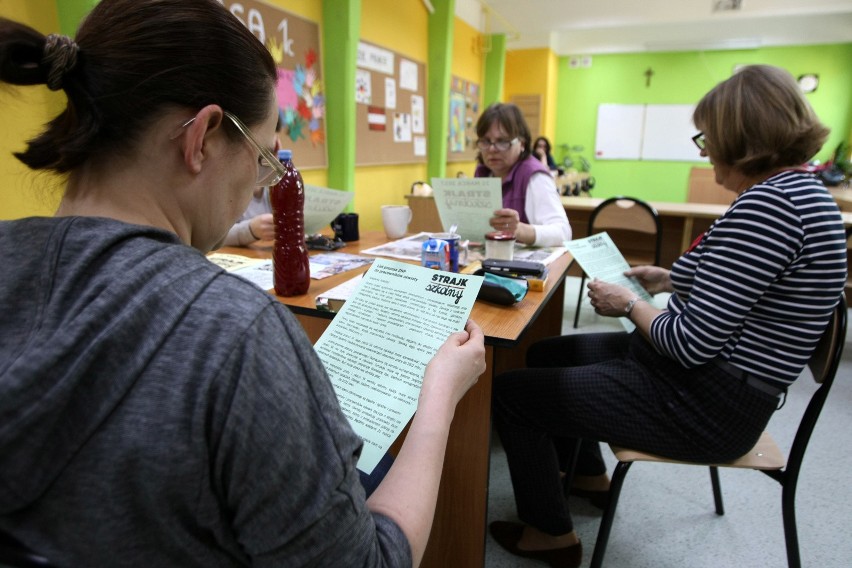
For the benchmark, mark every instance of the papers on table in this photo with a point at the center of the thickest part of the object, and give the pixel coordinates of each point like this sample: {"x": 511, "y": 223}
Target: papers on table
{"x": 232, "y": 262}
{"x": 376, "y": 349}
{"x": 322, "y": 205}
{"x": 332, "y": 300}
{"x": 259, "y": 271}
{"x": 468, "y": 203}
{"x": 599, "y": 258}
{"x": 409, "y": 248}
{"x": 328, "y": 264}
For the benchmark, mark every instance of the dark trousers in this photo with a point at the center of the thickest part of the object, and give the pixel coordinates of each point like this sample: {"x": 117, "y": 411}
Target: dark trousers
{"x": 622, "y": 392}
{"x": 371, "y": 481}
{"x": 559, "y": 352}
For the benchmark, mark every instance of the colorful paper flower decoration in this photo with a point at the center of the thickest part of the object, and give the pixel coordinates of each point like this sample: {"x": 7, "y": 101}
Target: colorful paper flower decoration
{"x": 300, "y": 97}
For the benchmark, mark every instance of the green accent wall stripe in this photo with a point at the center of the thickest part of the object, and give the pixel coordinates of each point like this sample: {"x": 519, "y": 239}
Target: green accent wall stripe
{"x": 439, "y": 67}
{"x": 495, "y": 69}
{"x": 341, "y": 30}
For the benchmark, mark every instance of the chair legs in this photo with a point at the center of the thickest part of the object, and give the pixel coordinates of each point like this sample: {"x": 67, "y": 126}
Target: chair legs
{"x": 615, "y": 484}
{"x": 579, "y": 300}
{"x": 788, "y": 512}
{"x": 717, "y": 490}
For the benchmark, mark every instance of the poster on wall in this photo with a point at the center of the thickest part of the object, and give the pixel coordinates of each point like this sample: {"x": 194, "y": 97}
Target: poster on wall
{"x": 295, "y": 46}
{"x": 464, "y": 112}
{"x": 457, "y": 122}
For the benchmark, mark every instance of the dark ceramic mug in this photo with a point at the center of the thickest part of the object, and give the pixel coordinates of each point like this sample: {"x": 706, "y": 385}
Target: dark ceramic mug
{"x": 345, "y": 227}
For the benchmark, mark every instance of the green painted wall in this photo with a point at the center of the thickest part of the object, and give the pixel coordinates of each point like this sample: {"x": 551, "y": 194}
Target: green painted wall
{"x": 441, "y": 25}
{"x": 683, "y": 78}
{"x": 495, "y": 69}
{"x": 340, "y": 53}
{"x": 71, "y": 13}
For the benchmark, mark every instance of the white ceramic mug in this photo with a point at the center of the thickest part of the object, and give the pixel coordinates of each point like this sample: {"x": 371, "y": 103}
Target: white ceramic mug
{"x": 395, "y": 219}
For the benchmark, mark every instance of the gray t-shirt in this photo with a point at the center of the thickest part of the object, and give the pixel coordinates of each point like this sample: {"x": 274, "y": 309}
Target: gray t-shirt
{"x": 158, "y": 411}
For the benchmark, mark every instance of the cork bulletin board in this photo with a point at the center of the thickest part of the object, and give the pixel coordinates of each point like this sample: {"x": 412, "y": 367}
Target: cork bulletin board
{"x": 294, "y": 43}
{"x": 464, "y": 112}
{"x": 390, "y": 110}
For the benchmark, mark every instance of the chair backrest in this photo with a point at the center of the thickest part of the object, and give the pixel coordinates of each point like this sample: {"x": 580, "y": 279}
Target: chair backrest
{"x": 702, "y": 188}
{"x": 823, "y": 365}
{"x": 826, "y": 357}
{"x": 628, "y": 214}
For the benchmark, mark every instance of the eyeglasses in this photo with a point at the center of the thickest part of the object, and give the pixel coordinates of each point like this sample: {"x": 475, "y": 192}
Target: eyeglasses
{"x": 700, "y": 141}
{"x": 501, "y": 145}
{"x": 269, "y": 169}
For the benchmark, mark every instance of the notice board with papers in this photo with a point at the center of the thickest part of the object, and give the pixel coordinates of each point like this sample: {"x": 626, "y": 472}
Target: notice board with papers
{"x": 390, "y": 113}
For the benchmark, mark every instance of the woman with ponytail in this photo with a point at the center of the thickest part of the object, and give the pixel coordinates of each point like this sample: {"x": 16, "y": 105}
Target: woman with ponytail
{"x": 155, "y": 410}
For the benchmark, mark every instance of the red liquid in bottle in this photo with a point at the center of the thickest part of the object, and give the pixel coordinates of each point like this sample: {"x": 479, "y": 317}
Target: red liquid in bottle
{"x": 291, "y": 270}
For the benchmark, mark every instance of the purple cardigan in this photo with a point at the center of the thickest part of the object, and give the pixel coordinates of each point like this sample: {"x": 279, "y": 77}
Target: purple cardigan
{"x": 516, "y": 183}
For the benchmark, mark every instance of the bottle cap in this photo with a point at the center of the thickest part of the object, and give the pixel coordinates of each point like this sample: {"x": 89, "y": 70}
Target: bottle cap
{"x": 285, "y": 154}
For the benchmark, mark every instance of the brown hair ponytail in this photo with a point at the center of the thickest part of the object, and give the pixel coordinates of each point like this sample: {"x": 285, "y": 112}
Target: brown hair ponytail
{"x": 130, "y": 60}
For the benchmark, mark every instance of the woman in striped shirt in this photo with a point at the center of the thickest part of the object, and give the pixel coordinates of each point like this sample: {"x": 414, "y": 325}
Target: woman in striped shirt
{"x": 699, "y": 380}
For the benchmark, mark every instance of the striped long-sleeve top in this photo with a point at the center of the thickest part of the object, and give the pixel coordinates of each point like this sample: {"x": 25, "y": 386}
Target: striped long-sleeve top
{"x": 759, "y": 288}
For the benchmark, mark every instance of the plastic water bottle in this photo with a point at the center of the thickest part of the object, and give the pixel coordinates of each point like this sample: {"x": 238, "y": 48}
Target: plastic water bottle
{"x": 291, "y": 270}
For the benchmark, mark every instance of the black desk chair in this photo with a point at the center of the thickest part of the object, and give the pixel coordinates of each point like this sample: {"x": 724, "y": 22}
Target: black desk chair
{"x": 623, "y": 218}
{"x": 13, "y": 553}
{"x": 765, "y": 456}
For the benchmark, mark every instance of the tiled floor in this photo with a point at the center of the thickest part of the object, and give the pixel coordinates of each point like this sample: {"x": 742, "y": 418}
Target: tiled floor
{"x": 666, "y": 518}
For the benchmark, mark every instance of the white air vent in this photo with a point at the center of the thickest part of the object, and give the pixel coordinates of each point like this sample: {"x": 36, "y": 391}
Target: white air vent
{"x": 727, "y": 5}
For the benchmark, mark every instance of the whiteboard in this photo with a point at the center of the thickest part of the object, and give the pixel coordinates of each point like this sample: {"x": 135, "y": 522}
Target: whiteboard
{"x": 646, "y": 132}
{"x": 668, "y": 134}
{"x": 619, "y": 133}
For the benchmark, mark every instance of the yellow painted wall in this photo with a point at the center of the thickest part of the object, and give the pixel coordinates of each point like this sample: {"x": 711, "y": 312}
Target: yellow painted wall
{"x": 24, "y": 110}
{"x": 467, "y": 60}
{"x": 534, "y": 71}
{"x": 402, "y": 27}
{"x": 551, "y": 102}
{"x": 468, "y": 63}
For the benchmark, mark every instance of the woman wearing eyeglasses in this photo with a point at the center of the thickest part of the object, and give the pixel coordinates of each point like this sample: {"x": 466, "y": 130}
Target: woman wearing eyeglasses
{"x": 256, "y": 223}
{"x": 532, "y": 208}
{"x": 699, "y": 380}
{"x": 155, "y": 410}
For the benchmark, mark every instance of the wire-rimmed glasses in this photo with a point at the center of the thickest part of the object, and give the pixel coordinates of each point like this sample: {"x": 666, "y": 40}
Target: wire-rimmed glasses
{"x": 269, "y": 169}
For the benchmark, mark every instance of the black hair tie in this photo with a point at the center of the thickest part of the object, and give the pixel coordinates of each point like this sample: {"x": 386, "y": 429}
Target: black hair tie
{"x": 60, "y": 57}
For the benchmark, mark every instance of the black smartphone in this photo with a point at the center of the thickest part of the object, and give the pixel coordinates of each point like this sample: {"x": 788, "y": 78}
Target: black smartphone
{"x": 512, "y": 266}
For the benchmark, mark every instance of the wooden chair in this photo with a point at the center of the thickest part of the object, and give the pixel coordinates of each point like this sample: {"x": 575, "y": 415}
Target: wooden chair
{"x": 702, "y": 188}
{"x": 765, "y": 456}
{"x": 627, "y": 220}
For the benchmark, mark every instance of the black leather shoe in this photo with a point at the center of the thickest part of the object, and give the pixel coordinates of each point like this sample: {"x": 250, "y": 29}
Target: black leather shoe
{"x": 599, "y": 499}
{"x": 509, "y": 534}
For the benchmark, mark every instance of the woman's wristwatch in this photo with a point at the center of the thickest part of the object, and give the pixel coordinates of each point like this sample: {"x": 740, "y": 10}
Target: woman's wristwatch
{"x": 629, "y": 307}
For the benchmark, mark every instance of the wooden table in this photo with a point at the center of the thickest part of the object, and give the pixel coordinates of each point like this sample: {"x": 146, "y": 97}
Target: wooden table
{"x": 458, "y": 533}
{"x": 682, "y": 222}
